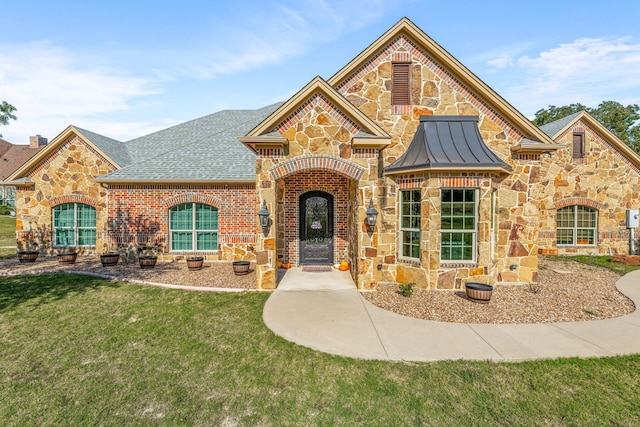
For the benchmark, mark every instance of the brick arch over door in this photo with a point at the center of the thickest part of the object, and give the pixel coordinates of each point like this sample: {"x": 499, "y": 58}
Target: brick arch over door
{"x": 578, "y": 201}
{"x": 321, "y": 162}
{"x": 296, "y": 185}
{"x": 73, "y": 198}
{"x": 191, "y": 198}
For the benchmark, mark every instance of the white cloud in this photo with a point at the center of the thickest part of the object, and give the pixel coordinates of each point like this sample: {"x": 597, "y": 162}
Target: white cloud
{"x": 586, "y": 71}
{"x": 276, "y": 34}
{"x": 51, "y": 88}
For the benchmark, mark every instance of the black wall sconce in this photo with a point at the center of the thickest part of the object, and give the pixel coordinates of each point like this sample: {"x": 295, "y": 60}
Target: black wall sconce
{"x": 372, "y": 215}
{"x": 263, "y": 214}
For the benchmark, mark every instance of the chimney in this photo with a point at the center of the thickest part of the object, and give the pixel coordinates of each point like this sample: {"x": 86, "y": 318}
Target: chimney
{"x": 37, "y": 141}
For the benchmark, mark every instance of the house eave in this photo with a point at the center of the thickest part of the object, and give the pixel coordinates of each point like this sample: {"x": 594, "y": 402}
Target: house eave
{"x": 253, "y": 142}
{"x": 534, "y": 148}
{"x": 23, "y": 182}
{"x": 449, "y": 168}
{"x": 371, "y": 142}
{"x": 125, "y": 181}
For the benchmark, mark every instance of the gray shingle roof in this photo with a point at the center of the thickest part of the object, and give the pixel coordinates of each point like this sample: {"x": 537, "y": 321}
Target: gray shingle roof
{"x": 554, "y": 127}
{"x": 204, "y": 149}
{"x": 443, "y": 142}
{"x": 114, "y": 149}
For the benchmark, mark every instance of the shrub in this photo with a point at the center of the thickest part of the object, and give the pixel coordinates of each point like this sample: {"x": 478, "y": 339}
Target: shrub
{"x": 5, "y": 210}
{"x": 406, "y": 289}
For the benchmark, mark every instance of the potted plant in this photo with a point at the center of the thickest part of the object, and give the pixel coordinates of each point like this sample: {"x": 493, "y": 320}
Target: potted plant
{"x": 109, "y": 258}
{"x": 30, "y": 252}
{"x": 195, "y": 263}
{"x": 27, "y": 256}
{"x": 478, "y": 292}
{"x": 68, "y": 256}
{"x": 147, "y": 256}
{"x": 241, "y": 267}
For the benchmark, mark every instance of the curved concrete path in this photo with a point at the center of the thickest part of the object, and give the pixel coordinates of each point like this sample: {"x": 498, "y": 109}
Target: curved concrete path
{"x": 344, "y": 323}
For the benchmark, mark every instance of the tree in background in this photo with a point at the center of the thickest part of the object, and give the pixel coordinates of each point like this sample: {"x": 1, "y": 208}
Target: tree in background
{"x": 6, "y": 113}
{"x": 623, "y": 122}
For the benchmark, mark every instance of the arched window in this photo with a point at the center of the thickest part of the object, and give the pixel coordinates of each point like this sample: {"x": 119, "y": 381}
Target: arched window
{"x": 74, "y": 224}
{"x": 576, "y": 225}
{"x": 193, "y": 227}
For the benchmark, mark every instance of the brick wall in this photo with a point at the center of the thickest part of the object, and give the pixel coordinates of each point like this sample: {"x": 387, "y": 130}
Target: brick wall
{"x": 296, "y": 185}
{"x": 144, "y": 209}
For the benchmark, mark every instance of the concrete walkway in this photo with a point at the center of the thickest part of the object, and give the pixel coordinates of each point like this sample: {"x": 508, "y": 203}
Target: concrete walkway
{"x": 340, "y": 321}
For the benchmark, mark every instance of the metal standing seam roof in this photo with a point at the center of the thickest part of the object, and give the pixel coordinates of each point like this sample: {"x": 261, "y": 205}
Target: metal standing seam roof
{"x": 447, "y": 142}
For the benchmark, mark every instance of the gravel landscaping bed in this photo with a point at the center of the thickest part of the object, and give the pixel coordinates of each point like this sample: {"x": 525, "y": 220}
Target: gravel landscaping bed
{"x": 568, "y": 290}
{"x": 216, "y": 274}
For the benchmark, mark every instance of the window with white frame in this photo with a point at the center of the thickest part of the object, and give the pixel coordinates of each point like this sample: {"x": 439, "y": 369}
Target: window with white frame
{"x": 74, "y": 224}
{"x": 576, "y": 225}
{"x": 193, "y": 227}
{"x": 458, "y": 224}
{"x": 410, "y": 213}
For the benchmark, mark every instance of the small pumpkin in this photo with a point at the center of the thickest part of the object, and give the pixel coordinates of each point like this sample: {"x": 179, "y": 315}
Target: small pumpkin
{"x": 344, "y": 266}
{"x": 286, "y": 265}
{"x": 279, "y": 264}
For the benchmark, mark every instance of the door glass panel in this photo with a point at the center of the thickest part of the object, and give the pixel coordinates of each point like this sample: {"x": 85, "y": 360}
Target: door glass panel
{"x": 316, "y": 220}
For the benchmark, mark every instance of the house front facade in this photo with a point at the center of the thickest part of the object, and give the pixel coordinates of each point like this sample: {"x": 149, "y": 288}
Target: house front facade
{"x": 404, "y": 164}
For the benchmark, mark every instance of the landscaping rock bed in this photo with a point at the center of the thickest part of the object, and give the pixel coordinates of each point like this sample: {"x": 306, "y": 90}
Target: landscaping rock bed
{"x": 216, "y": 274}
{"x": 568, "y": 291}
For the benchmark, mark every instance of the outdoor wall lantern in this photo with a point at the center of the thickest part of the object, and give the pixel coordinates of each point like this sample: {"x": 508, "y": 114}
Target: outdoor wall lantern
{"x": 263, "y": 214}
{"x": 372, "y": 215}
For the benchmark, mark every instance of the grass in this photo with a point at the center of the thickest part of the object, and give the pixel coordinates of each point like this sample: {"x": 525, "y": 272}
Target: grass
{"x": 7, "y": 235}
{"x": 76, "y": 350}
{"x": 603, "y": 261}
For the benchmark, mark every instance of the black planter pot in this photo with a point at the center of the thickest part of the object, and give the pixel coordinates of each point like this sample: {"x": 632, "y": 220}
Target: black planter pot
{"x": 27, "y": 256}
{"x": 148, "y": 261}
{"x": 241, "y": 267}
{"x": 109, "y": 260}
{"x": 478, "y": 292}
{"x": 68, "y": 258}
{"x": 195, "y": 263}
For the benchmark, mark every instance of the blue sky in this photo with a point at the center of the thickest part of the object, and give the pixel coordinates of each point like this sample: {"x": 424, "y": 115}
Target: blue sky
{"x": 127, "y": 68}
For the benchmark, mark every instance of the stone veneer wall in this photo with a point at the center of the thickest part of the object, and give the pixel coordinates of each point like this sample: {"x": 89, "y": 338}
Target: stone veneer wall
{"x": 317, "y": 128}
{"x": 66, "y": 176}
{"x": 144, "y": 210}
{"x": 435, "y": 91}
{"x": 603, "y": 179}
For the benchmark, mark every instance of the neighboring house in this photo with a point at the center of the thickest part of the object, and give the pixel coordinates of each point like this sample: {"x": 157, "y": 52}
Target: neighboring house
{"x": 465, "y": 187}
{"x": 11, "y": 158}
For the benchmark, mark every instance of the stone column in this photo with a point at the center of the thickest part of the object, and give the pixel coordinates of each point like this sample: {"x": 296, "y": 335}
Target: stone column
{"x": 266, "y": 255}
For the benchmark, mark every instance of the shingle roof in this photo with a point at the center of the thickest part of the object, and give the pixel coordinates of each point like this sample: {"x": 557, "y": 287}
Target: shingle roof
{"x": 204, "y": 149}
{"x": 443, "y": 142}
{"x": 115, "y": 150}
{"x": 13, "y": 156}
{"x": 554, "y": 127}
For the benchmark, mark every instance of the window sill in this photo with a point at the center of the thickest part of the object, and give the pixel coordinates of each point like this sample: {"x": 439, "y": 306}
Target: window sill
{"x": 459, "y": 264}
{"x": 410, "y": 261}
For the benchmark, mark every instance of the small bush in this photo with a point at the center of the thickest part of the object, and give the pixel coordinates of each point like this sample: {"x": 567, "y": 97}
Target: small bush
{"x": 406, "y": 289}
{"x": 5, "y": 210}
{"x": 535, "y": 287}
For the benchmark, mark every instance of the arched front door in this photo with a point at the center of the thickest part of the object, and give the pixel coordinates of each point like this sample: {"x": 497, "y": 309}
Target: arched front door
{"x": 316, "y": 228}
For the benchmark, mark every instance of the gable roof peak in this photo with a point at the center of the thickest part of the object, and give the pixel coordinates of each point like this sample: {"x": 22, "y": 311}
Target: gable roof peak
{"x": 315, "y": 86}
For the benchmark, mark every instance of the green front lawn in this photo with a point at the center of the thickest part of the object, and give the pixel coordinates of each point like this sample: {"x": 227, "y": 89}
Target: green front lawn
{"x": 7, "y": 235}
{"x": 76, "y": 350}
{"x": 603, "y": 261}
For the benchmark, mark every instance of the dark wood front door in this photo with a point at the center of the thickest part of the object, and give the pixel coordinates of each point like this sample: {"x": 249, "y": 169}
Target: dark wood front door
{"x": 316, "y": 228}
